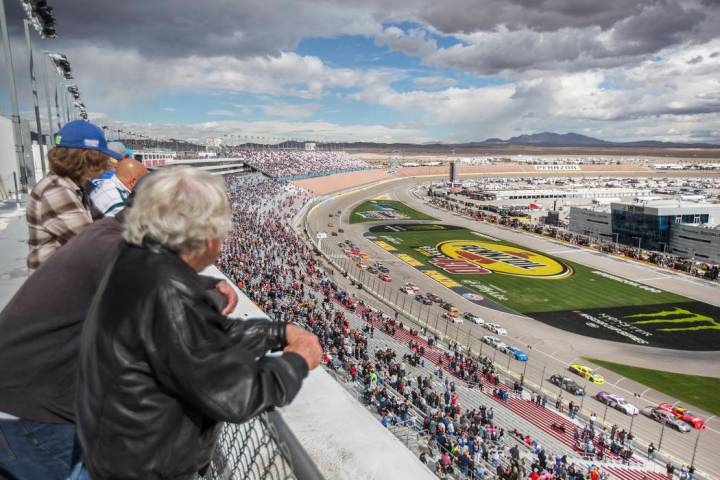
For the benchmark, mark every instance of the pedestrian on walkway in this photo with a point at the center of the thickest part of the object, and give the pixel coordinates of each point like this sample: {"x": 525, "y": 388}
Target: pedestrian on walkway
{"x": 651, "y": 452}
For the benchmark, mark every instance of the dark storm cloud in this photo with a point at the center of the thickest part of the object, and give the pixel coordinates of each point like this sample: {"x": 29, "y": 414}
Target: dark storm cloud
{"x": 180, "y": 28}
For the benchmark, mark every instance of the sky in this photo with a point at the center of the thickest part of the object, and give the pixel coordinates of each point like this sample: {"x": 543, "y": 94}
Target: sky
{"x": 389, "y": 70}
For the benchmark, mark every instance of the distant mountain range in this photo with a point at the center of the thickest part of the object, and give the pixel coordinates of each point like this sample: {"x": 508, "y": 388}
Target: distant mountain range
{"x": 544, "y": 139}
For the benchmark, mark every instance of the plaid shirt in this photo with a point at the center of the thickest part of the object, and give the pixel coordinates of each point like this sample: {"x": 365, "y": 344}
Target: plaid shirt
{"x": 56, "y": 211}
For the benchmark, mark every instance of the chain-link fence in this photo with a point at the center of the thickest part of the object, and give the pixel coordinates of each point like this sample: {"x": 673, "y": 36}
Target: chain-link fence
{"x": 262, "y": 448}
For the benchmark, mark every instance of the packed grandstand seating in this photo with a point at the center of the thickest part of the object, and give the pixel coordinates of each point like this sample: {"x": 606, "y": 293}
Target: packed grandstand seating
{"x": 444, "y": 396}
{"x": 295, "y": 163}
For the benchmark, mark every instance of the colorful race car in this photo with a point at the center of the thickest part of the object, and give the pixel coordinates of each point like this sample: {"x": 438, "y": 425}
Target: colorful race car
{"x": 516, "y": 353}
{"x": 473, "y": 318}
{"x": 617, "y": 402}
{"x": 683, "y": 414}
{"x": 666, "y": 417}
{"x": 495, "y": 328}
{"x": 587, "y": 373}
{"x": 567, "y": 384}
{"x": 385, "y": 277}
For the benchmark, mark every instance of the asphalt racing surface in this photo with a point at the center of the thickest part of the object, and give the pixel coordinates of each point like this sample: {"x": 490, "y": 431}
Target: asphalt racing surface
{"x": 549, "y": 349}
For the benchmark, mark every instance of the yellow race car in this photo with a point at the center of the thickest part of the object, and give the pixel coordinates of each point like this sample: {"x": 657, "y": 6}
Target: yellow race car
{"x": 586, "y": 372}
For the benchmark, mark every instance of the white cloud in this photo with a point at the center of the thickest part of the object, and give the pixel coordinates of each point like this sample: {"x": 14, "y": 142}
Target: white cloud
{"x": 287, "y": 110}
{"x": 169, "y": 109}
{"x": 222, "y": 113}
{"x": 434, "y": 82}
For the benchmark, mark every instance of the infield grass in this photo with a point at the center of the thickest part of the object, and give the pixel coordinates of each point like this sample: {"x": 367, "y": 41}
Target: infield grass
{"x": 586, "y": 288}
{"x": 377, "y": 206}
{"x": 701, "y": 392}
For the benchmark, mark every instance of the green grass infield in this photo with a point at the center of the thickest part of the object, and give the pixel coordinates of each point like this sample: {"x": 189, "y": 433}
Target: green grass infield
{"x": 561, "y": 293}
{"x": 385, "y": 210}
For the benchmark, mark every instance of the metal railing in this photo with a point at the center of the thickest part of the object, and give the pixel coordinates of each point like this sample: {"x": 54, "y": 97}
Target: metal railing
{"x": 261, "y": 448}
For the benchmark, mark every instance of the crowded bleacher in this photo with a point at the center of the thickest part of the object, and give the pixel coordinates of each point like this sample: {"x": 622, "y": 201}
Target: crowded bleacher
{"x": 295, "y": 163}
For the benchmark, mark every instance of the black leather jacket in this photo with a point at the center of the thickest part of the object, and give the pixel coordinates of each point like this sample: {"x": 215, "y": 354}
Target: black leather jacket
{"x": 160, "y": 368}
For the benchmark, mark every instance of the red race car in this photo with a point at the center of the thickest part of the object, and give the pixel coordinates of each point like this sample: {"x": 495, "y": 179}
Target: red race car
{"x": 684, "y": 414}
{"x": 385, "y": 277}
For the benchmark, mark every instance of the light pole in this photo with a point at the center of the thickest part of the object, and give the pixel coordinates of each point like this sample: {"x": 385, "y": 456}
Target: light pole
{"x": 48, "y": 101}
{"x": 15, "y": 117}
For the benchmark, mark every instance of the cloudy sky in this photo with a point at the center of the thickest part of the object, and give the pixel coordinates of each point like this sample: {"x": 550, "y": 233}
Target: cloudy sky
{"x": 392, "y": 70}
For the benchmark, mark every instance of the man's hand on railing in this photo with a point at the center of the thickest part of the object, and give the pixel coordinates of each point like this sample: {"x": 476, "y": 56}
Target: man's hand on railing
{"x": 304, "y": 344}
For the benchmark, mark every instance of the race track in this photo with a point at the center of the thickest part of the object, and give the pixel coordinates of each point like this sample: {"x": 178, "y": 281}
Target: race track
{"x": 550, "y": 349}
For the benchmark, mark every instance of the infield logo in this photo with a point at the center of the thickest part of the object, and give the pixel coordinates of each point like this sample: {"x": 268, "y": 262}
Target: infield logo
{"x": 490, "y": 257}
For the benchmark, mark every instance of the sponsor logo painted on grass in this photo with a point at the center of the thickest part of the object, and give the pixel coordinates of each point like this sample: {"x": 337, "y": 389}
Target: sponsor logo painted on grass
{"x": 504, "y": 259}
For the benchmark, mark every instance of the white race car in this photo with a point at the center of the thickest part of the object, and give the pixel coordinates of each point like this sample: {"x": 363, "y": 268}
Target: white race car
{"x": 495, "y": 328}
{"x": 617, "y": 402}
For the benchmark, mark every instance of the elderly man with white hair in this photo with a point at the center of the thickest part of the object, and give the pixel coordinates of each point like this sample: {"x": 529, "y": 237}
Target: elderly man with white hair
{"x": 159, "y": 367}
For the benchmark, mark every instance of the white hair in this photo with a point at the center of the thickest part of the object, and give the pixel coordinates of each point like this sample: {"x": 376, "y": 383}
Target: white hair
{"x": 179, "y": 208}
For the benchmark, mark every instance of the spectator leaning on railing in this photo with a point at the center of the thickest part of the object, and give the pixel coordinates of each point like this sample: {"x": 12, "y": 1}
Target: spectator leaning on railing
{"x": 58, "y": 208}
{"x": 159, "y": 367}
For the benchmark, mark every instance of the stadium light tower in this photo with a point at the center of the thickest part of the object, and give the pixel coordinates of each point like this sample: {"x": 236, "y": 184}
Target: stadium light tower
{"x": 40, "y": 15}
{"x": 19, "y": 149}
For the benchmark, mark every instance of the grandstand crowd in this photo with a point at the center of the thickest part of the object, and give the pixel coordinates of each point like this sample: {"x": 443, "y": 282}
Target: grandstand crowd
{"x": 295, "y": 163}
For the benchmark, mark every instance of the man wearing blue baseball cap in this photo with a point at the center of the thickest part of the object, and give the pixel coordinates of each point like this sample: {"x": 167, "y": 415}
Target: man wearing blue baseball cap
{"x": 58, "y": 207}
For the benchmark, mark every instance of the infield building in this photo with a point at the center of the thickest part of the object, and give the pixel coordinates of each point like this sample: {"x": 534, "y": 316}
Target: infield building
{"x": 682, "y": 228}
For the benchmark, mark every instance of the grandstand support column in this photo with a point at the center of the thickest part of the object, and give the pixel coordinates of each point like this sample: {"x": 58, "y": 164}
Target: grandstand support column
{"x": 13, "y": 97}
{"x": 437, "y": 320}
{"x": 508, "y": 365}
{"x": 632, "y": 420}
{"x": 582, "y": 400}
{"x": 542, "y": 377}
{"x": 33, "y": 83}
{"x": 605, "y": 412}
{"x": 522, "y": 376}
{"x": 494, "y": 356}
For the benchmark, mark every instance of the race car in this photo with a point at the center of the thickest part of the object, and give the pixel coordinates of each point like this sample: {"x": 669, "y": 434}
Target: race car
{"x": 587, "y": 373}
{"x": 412, "y": 287}
{"x": 666, "y": 417}
{"x": 473, "y": 318}
{"x": 490, "y": 340}
{"x": 495, "y": 328}
{"x": 516, "y": 353}
{"x": 423, "y": 299}
{"x": 617, "y": 402}
{"x": 434, "y": 298}
{"x": 567, "y": 384}
{"x": 372, "y": 270}
{"x": 407, "y": 290}
{"x": 362, "y": 266}
{"x": 452, "y": 317}
{"x": 684, "y": 414}
{"x": 330, "y": 225}
{"x": 385, "y": 277}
